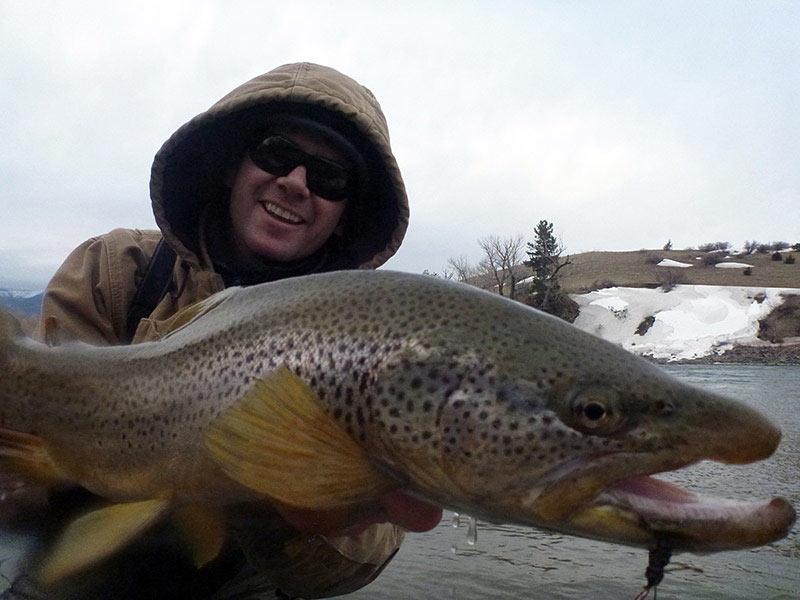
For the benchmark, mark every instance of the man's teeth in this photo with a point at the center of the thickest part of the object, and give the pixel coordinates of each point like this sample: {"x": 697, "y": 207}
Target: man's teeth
{"x": 282, "y": 212}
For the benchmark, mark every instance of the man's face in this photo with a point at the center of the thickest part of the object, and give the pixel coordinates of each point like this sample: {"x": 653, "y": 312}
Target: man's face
{"x": 277, "y": 218}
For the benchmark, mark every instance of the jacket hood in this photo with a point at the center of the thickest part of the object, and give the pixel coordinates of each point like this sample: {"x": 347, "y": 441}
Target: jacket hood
{"x": 189, "y": 170}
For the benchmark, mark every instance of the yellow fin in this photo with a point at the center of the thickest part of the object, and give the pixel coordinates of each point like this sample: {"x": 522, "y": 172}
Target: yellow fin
{"x": 97, "y": 535}
{"x": 279, "y": 441}
{"x": 203, "y": 531}
{"x": 194, "y": 311}
{"x": 26, "y": 455}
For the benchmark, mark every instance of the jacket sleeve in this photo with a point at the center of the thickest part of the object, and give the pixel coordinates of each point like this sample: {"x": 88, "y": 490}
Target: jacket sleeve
{"x": 88, "y": 297}
{"x": 311, "y": 566}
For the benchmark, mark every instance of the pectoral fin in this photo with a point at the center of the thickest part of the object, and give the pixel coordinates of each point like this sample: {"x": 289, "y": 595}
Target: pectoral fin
{"x": 203, "y": 532}
{"x": 26, "y": 455}
{"x": 279, "y": 441}
{"x": 97, "y": 535}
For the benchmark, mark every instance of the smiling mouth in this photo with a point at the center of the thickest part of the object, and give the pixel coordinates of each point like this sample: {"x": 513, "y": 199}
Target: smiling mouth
{"x": 281, "y": 213}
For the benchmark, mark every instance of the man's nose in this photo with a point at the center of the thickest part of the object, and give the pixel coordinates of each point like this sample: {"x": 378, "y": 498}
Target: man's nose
{"x": 295, "y": 182}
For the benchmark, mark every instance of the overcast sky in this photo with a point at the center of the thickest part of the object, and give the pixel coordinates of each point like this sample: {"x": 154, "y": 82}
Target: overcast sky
{"x": 624, "y": 123}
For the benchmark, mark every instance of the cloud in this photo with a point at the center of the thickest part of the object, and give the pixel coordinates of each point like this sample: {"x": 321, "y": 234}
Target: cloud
{"x": 625, "y": 125}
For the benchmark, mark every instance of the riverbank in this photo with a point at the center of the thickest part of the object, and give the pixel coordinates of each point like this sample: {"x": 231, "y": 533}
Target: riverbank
{"x": 696, "y": 323}
{"x": 743, "y": 355}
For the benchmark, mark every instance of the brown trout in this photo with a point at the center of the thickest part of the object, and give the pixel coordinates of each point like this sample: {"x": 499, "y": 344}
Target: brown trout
{"x": 322, "y": 392}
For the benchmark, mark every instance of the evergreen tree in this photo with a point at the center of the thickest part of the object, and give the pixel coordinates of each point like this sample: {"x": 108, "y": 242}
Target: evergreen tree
{"x": 544, "y": 259}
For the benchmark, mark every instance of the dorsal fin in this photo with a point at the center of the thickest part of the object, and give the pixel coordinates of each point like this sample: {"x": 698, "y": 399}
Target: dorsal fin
{"x": 194, "y": 311}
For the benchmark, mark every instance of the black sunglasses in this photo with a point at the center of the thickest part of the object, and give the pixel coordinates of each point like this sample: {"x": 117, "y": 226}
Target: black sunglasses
{"x": 278, "y": 156}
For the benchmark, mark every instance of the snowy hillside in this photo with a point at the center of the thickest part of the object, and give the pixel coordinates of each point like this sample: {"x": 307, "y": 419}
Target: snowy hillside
{"x": 688, "y": 322}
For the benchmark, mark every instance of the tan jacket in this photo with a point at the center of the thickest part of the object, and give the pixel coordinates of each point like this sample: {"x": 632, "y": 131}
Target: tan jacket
{"x": 89, "y": 297}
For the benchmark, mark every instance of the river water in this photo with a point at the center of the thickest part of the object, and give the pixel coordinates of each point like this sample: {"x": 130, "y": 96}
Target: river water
{"x": 516, "y": 562}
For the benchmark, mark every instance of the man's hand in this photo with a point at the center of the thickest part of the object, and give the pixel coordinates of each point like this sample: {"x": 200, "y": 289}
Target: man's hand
{"x": 399, "y": 507}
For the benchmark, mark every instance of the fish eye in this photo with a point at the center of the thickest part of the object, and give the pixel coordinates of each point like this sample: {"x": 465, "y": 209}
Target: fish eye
{"x": 594, "y": 411}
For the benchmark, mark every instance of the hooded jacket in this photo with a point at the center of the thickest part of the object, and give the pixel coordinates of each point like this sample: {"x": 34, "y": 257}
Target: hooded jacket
{"x": 89, "y": 296}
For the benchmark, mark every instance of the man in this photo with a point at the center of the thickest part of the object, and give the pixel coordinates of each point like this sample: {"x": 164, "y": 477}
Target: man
{"x": 291, "y": 173}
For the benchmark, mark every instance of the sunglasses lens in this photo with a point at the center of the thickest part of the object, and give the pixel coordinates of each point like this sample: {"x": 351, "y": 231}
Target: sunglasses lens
{"x": 276, "y": 155}
{"x": 327, "y": 179}
{"x": 279, "y": 156}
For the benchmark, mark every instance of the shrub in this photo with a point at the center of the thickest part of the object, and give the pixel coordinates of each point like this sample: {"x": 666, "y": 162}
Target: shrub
{"x": 561, "y": 305}
{"x": 712, "y": 246}
{"x": 750, "y": 247}
{"x": 621, "y": 314}
{"x": 777, "y": 256}
{"x": 668, "y": 278}
{"x": 748, "y": 271}
{"x": 709, "y": 260}
{"x": 763, "y": 248}
{"x": 668, "y": 246}
{"x": 601, "y": 284}
{"x": 653, "y": 259}
{"x": 779, "y": 246}
{"x": 796, "y": 246}
{"x": 789, "y": 260}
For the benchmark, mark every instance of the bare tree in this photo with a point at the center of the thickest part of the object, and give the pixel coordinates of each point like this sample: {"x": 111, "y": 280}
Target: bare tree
{"x": 461, "y": 268}
{"x": 750, "y": 247}
{"x": 501, "y": 256}
{"x": 445, "y": 274}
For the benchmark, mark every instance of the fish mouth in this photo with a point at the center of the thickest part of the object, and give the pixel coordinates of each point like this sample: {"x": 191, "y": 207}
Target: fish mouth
{"x": 614, "y": 496}
{"x": 643, "y": 509}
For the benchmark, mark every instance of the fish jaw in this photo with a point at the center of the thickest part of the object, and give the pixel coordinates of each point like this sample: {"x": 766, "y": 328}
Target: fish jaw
{"x": 612, "y": 496}
{"x": 642, "y": 510}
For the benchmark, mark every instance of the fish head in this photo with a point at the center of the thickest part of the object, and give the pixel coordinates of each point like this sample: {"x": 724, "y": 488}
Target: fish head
{"x": 538, "y": 423}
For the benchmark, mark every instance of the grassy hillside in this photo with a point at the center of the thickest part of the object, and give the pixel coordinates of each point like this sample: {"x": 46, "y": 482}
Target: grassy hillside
{"x": 591, "y": 270}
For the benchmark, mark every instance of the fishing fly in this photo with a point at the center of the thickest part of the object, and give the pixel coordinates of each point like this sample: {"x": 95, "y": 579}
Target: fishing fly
{"x": 658, "y": 559}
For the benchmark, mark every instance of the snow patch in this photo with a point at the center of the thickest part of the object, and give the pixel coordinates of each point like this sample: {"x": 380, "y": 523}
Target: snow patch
{"x": 690, "y": 321}
{"x": 732, "y": 265}
{"x": 668, "y": 262}
{"x": 19, "y": 293}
